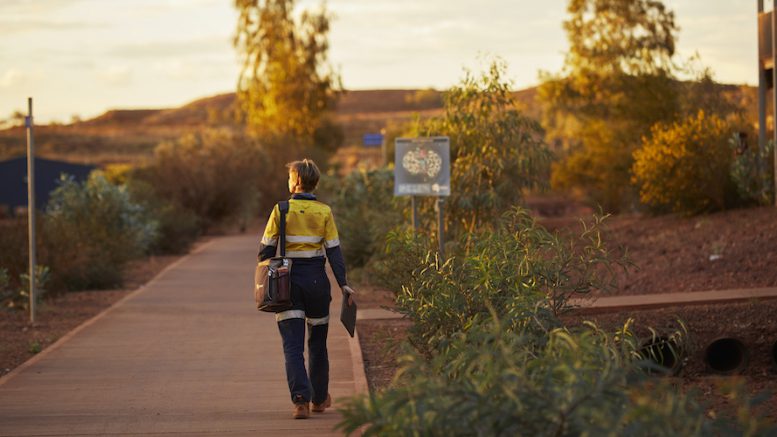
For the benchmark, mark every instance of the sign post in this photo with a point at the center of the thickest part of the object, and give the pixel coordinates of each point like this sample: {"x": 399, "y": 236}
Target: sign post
{"x": 31, "y": 204}
{"x": 383, "y": 153}
{"x": 774, "y": 91}
{"x": 422, "y": 167}
{"x": 439, "y": 206}
{"x": 414, "y": 214}
{"x": 767, "y": 73}
{"x": 764, "y": 46}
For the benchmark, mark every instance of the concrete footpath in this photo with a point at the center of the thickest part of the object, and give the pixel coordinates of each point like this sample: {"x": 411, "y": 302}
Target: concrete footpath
{"x": 187, "y": 354}
{"x": 665, "y": 300}
{"x": 601, "y": 304}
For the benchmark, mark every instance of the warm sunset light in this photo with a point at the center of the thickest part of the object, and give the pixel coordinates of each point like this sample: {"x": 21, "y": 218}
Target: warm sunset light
{"x": 388, "y": 217}
{"x": 82, "y": 57}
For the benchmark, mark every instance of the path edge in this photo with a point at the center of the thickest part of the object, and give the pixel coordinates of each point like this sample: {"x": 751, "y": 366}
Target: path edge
{"x": 357, "y": 364}
{"x": 73, "y": 332}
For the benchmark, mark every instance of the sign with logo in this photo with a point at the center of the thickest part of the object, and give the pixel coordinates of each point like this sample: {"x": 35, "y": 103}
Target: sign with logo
{"x": 422, "y": 166}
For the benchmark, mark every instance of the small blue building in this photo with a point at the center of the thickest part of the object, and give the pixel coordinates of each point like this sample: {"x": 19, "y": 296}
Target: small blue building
{"x": 13, "y": 180}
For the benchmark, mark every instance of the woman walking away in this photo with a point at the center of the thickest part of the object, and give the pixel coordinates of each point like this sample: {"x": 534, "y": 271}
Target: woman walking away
{"x": 310, "y": 234}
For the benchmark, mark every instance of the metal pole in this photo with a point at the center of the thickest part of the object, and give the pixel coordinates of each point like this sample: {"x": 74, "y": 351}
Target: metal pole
{"x": 441, "y": 224}
{"x": 383, "y": 152}
{"x": 31, "y": 203}
{"x": 761, "y": 86}
{"x": 774, "y": 89}
{"x": 414, "y": 216}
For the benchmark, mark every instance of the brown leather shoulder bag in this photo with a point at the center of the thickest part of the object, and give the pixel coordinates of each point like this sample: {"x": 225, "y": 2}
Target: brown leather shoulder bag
{"x": 272, "y": 278}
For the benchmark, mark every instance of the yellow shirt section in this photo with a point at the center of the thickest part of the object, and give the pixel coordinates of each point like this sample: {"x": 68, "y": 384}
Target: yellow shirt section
{"x": 310, "y": 227}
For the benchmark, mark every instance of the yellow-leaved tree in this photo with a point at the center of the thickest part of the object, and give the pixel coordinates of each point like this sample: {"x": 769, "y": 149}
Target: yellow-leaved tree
{"x": 616, "y": 83}
{"x": 684, "y": 167}
{"x": 287, "y": 88}
{"x": 286, "y": 85}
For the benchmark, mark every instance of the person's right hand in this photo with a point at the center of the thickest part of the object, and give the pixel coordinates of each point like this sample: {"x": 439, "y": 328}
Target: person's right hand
{"x": 350, "y": 292}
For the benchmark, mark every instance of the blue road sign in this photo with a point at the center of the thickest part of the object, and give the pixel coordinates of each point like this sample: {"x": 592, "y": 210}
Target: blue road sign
{"x": 372, "y": 140}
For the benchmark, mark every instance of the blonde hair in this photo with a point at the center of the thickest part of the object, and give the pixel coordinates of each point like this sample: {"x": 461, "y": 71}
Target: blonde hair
{"x": 308, "y": 173}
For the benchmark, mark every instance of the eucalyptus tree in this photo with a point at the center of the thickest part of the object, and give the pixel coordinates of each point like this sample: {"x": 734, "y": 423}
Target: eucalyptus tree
{"x": 617, "y": 81}
{"x": 286, "y": 84}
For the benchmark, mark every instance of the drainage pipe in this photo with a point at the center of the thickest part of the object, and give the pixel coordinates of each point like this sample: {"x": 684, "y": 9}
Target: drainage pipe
{"x": 726, "y": 355}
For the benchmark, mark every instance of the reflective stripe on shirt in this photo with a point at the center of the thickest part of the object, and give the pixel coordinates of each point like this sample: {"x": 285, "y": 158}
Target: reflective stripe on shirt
{"x": 303, "y": 239}
{"x": 304, "y": 253}
{"x": 331, "y": 243}
{"x": 310, "y": 228}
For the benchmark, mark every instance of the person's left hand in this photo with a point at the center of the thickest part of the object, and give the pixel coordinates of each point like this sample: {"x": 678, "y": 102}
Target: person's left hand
{"x": 350, "y": 292}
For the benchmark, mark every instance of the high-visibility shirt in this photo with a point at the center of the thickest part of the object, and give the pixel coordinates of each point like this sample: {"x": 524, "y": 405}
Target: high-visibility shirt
{"x": 310, "y": 234}
{"x": 310, "y": 228}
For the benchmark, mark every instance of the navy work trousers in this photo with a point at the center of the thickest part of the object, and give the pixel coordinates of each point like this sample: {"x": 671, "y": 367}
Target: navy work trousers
{"x": 310, "y": 295}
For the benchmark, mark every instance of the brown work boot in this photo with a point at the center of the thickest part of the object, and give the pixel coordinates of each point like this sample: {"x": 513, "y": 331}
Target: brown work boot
{"x": 319, "y": 408}
{"x": 302, "y": 410}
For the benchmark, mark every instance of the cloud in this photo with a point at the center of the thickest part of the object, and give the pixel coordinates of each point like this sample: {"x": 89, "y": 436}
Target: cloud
{"x": 166, "y": 49}
{"x": 155, "y": 7}
{"x": 176, "y": 69}
{"x": 116, "y": 75}
{"x": 11, "y": 78}
{"x": 21, "y": 24}
{"x": 18, "y": 16}
{"x": 35, "y": 6}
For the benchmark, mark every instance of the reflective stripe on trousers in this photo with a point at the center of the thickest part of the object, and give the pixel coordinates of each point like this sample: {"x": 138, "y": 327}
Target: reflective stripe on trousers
{"x": 290, "y": 314}
{"x": 299, "y": 314}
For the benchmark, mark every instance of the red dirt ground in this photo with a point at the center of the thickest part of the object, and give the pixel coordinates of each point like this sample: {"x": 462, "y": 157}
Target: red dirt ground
{"x": 59, "y": 315}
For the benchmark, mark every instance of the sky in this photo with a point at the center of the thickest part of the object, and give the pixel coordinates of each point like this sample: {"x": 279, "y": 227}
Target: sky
{"x": 83, "y": 57}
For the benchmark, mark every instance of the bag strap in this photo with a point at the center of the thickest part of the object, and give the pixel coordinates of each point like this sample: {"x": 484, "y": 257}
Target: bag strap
{"x": 283, "y": 207}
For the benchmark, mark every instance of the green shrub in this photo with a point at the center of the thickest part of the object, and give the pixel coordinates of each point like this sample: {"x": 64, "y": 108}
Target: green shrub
{"x": 365, "y": 211}
{"x": 496, "y": 151}
{"x": 21, "y": 298}
{"x": 14, "y": 247}
{"x": 488, "y": 355}
{"x": 213, "y": 173}
{"x": 328, "y": 136}
{"x": 404, "y": 250}
{"x": 378, "y": 243}
{"x": 597, "y": 164}
{"x": 684, "y": 167}
{"x": 512, "y": 269}
{"x": 753, "y": 172}
{"x": 92, "y": 229}
{"x": 177, "y": 227}
{"x": 5, "y": 293}
{"x": 496, "y": 154}
{"x": 494, "y": 380}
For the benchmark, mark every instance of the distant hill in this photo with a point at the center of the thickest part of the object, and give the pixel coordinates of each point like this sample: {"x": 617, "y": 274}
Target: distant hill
{"x": 123, "y": 135}
{"x": 191, "y": 114}
{"x": 202, "y": 110}
{"x": 130, "y": 135}
{"x": 120, "y": 116}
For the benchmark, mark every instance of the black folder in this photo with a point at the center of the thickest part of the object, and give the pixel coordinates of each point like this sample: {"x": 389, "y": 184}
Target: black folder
{"x": 348, "y": 315}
